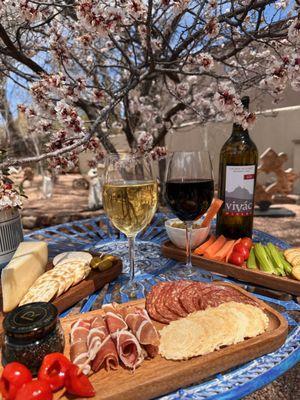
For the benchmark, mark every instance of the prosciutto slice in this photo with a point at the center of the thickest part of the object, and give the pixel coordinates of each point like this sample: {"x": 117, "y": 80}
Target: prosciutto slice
{"x": 141, "y": 326}
{"x": 128, "y": 347}
{"x": 129, "y": 350}
{"x": 79, "y": 347}
{"x": 113, "y": 318}
{"x": 101, "y": 348}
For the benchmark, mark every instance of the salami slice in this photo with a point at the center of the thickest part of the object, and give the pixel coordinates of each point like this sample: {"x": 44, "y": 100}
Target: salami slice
{"x": 172, "y": 298}
{"x": 189, "y": 294}
{"x": 223, "y": 294}
{"x": 150, "y": 304}
{"x": 160, "y": 303}
{"x": 151, "y": 300}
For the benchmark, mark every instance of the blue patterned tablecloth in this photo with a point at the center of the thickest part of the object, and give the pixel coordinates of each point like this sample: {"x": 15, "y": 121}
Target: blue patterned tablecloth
{"x": 152, "y": 267}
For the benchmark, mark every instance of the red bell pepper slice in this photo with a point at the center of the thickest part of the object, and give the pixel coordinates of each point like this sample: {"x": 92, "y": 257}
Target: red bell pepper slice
{"x": 14, "y": 376}
{"x": 77, "y": 383}
{"x": 53, "y": 370}
{"x": 35, "y": 390}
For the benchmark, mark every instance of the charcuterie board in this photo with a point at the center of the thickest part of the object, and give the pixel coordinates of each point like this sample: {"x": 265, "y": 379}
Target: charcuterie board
{"x": 94, "y": 281}
{"x": 256, "y": 277}
{"x": 159, "y": 376}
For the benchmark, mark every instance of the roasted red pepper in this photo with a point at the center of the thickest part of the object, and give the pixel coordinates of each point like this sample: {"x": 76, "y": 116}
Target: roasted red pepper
{"x": 53, "y": 370}
{"x": 77, "y": 383}
{"x": 14, "y": 376}
{"x": 35, "y": 390}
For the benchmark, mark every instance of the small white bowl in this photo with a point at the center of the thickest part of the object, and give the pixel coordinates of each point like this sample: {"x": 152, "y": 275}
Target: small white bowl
{"x": 177, "y": 235}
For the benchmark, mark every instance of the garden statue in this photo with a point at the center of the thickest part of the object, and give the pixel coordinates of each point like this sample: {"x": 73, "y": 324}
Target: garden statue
{"x": 272, "y": 162}
{"x": 95, "y": 192}
{"x": 47, "y": 185}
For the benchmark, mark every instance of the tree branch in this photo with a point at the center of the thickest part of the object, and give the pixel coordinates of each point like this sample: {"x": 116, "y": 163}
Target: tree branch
{"x": 18, "y": 55}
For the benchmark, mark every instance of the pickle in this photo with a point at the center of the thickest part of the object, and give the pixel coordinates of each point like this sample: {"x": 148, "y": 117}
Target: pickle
{"x": 103, "y": 263}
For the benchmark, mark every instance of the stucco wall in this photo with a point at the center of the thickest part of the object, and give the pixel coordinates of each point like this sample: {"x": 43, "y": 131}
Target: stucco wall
{"x": 276, "y": 130}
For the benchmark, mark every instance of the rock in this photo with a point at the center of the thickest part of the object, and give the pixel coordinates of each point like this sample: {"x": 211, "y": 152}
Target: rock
{"x": 80, "y": 183}
{"x": 29, "y": 222}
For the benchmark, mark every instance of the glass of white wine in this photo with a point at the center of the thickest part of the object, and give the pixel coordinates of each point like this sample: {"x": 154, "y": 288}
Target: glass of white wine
{"x": 130, "y": 202}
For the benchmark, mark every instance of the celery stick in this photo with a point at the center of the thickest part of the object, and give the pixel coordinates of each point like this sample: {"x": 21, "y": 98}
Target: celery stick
{"x": 286, "y": 265}
{"x": 275, "y": 258}
{"x": 251, "y": 262}
{"x": 269, "y": 255}
{"x": 264, "y": 262}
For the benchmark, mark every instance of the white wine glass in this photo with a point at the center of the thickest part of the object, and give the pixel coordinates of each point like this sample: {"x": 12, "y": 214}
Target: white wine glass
{"x": 130, "y": 202}
{"x": 189, "y": 191}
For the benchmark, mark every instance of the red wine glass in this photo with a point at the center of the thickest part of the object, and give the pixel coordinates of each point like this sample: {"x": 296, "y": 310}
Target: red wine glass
{"x": 189, "y": 190}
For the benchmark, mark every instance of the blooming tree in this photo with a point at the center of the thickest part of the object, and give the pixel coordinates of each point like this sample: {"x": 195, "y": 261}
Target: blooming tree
{"x": 140, "y": 66}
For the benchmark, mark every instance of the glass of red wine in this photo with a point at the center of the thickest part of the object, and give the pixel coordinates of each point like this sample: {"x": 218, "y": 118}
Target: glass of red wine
{"x": 189, "y": 190}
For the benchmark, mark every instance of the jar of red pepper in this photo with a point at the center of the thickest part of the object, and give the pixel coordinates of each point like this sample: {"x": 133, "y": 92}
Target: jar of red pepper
{"x": 30, "y": 333}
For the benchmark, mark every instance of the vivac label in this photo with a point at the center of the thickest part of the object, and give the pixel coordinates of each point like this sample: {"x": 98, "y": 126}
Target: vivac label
{"x": 239, "y": 191}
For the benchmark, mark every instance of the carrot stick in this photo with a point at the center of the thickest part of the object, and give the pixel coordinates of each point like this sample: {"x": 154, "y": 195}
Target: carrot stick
{"x": 222, "y": 253}
{"x": 231, "y": 249}
{"x": 201, "y": 249}
{"x": 211, "y": 212}
{"x": 211, "y": 251}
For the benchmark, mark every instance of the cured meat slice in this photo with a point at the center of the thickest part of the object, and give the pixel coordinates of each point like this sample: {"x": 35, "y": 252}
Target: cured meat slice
{"x": 113, "y": 318}
{"x": 129, "y": 350}
{"x": 172, "y": 298}
{"x": 101, "y": 348}
{"x": 222, "y": 294}
{"x": 159, "y": 303}
{"x": 79, "y": 347}
{"x": 190, "y": 296}
{"x": 152, "y": 298}
{"x": 150, "y": 303}
{"x": 141, "y": 326}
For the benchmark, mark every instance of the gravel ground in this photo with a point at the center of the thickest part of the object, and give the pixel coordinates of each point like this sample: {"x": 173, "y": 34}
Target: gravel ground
{"x": 287, "y": 387}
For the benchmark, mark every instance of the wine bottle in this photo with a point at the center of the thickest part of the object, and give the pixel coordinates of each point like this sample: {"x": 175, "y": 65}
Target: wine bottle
{"x": 237, "y": 178}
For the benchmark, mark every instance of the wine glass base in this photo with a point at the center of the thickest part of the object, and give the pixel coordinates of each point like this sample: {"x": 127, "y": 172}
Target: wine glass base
{"x": 190, "y": 272}
{"x": 133, "y": 290}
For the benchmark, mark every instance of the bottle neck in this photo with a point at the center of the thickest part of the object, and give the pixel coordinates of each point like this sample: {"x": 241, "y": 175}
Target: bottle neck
{"x": 239, "y": 132}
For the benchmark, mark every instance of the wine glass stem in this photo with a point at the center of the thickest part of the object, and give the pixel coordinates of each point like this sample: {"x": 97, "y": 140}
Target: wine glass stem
{"x": 131, "y": 241}
{"x": 188, "y": 230}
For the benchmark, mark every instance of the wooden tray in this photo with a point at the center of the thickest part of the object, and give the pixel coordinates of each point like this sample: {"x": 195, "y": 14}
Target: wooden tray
{"x": 95, "y": 281}
{"x": 256, "y": 277}
{"x": 159, "y": 376}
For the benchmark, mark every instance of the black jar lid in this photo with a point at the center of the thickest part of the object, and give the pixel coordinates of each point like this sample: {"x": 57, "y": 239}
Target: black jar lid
{"x": 31, "y": 321}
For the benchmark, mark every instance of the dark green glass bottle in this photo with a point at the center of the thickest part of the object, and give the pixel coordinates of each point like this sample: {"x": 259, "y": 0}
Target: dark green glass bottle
{"x": 237, "y": 178}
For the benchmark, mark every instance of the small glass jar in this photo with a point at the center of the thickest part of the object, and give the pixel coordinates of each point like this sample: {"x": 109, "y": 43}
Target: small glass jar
{"x": 31, "y": 332}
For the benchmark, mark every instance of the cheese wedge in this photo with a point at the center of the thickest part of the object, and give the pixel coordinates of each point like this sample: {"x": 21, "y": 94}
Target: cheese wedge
{"x": 28, "y": 263}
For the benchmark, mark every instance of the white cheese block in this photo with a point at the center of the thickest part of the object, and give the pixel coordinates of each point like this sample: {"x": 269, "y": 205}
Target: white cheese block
{"x": 28, "y": 263}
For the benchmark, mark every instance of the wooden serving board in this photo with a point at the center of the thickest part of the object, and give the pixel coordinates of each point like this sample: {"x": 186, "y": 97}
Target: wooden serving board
{"x": 159, "y": 376}
{"x": 94, "y": 281}
{"x": 284, "y": 284}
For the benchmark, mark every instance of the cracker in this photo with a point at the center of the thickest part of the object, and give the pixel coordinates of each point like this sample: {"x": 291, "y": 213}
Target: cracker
{"x": 43, "y": 292}
{"x": 79, "y": 270}
{"x": 71, "y": 256}
{"x": 257, "y": 321}
{"x": 179, "y": 340}
{"x": 69, "y": 276}
{"x": 61, "y": 279}
{"x": 205, "y": 331}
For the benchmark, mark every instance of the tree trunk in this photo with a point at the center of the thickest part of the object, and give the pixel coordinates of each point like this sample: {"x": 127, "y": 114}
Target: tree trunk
{"x": 13, "y": 136}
